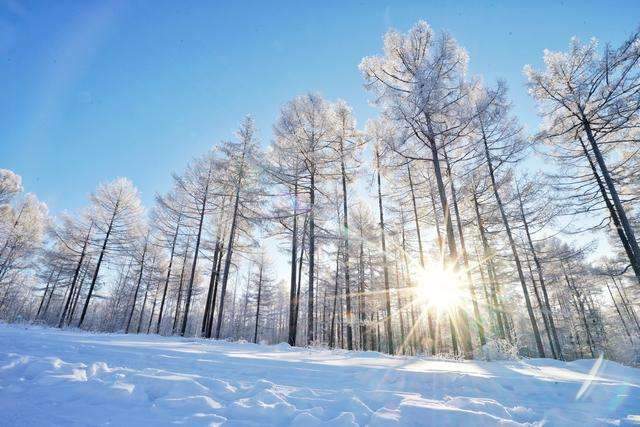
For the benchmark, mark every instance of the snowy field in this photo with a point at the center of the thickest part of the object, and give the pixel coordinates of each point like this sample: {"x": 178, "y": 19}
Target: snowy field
{"x": 51, "y": 377}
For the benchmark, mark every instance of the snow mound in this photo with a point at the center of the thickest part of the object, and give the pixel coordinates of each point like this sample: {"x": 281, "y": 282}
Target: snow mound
{"x": 52, "y": 377}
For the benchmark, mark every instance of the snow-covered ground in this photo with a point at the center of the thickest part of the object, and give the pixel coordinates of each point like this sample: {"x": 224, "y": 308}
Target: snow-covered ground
{"x": 52, "y": 377}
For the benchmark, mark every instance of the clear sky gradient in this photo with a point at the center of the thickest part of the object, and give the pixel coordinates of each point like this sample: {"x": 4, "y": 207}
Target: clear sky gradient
{"x": 93, "y": 90}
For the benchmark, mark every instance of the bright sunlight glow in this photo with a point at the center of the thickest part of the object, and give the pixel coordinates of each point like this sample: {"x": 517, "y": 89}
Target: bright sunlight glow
{"x": 440, "y": 287}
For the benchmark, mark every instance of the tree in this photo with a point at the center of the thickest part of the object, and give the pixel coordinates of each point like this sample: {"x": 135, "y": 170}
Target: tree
{"x": 168, "y": 218}
{"x": 345, "y": 143}
{"x": 379, "y": 133}
{"x": 10, "y": 186}
{"x": 592, "y": 97}
{"x": 22, "y": 227}
{"x": 305, "y": 124}
{"x": 419, "y": 83}
{"x": 197, "y": 186}
{"x": 501, "y": 142}
{"x": 240, "y": 164}
{"x": 116, "y": 213}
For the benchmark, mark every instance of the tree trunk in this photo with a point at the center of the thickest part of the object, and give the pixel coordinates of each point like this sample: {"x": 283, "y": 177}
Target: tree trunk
{"x": 77, "y": 297}
{"x": 209, "y": 306}
{"x": 545, "y": 320}
{"x": 255, "y": 332}
{"x": 215, "y": 291}
{"x": 53, "y": 289}
{"x": 76, "y": 273}
{"x": 291, "y": 337}
{"x": 624, "y": 324}
{"x": 166, "y": 281}
{"x": 97, "y": 270}
{"x": 144, "y": 304}
{"x": 153, "y": 308}
{"x": 415, "y": 334}
{"x": 626, "y": 225}
{"x": 579, "y": 306}
{"x": 465, "y": 256}
{"x": 538, "y": 264}
{"x": 635, "y": 264}
{"x": 385, "y": 267}
{"x": 361, "y": 297}
{"x": 625, "y": 302}
{"x": 180, "y": 281}
{"x": 345, "y": 220}
{"x": 432, "y": 331}
{"x": 400, "y": 308}
{"x": 505, "y": 222}
{"x": 335, "y": 301}
{"x": 183, "y": 329}
{"x": 312, "y": 253}
{"x": 227, "y": 261}
{"x": 299, "y": 286}
{"x": 488, "y": 256}
{"x": 135, "y": 295}
{"x": 44, "y": 295}
{"x": 461, "y": 318}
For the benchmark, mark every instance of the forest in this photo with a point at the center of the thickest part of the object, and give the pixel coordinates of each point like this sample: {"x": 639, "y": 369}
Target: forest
{"x": 442, "y": 227}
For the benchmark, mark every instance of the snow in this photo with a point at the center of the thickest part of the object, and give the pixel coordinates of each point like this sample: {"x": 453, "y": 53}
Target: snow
{"x": 53, "y": 377}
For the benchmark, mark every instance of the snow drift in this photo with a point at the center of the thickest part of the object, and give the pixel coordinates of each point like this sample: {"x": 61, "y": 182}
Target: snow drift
{"x": 52, "y": 377}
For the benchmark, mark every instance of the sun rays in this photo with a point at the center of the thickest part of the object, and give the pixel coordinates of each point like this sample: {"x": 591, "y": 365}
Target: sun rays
{"x": 439, "y": 288}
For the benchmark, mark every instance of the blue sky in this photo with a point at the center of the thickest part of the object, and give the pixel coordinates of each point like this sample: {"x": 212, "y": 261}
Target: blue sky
{"x": 94, "y": 90}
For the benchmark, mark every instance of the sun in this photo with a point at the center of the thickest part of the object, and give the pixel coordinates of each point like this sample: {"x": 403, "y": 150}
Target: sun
{"x": 439, "y": 287}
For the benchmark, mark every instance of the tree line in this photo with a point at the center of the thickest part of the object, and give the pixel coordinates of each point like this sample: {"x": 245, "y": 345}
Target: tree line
{"x": 432, "y": 229}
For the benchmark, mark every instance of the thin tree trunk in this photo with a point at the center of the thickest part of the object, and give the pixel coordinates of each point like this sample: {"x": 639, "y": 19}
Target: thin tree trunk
{"x": 179, "y": 296}
{"x": 185, "y": 319}
{"x": 385, "y": 267}
{"x": 432, "y": 332}
{"x": 624, "y": 324}
{"x": 335, "y": 301}
{"x": 135, "y": 295}
{"x": 361, "y": 297}
{"x": 612, "y": 213}
{"x": 144, "y": 304}
{"x": 44, "y": 295}
{"x": 232, "y": 235}
{"x": 153, "y": 308}
{"x": 53, "y": 289}
{"x": 505, "y": 221}
{"x": 227, "y": 261}
{"x": 166, "y": 281}
{"x": 538, "y": 264}
{"x": 625, "y": 302}
{"x": 400, "y": 308}
{"x": 255, "y": 332}
{"x": 345, "y": 220}
{"x": 291, "y": 337}
{"x": 626, "y": 225}
{"x": 77, "y": 297}
{"x": 579, "y": 305}
{"x": 547, "y": 327}
{"x": 215, "y": 291}
{"x": 312, "y": 253}
{"x": 461, "y": 317}
{"x": 488, "y": 257}
{"x": 67, "y": 303}
{"x": 209, "y": 307}
{"x": 299, "y": 286}
{"x": 414, "y": 333}
{"x": 100, "y": 257}
{"x": 465, "y": 256}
